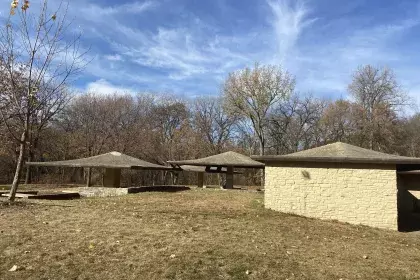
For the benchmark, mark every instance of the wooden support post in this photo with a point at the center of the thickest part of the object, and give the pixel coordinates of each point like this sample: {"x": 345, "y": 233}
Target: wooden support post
{"x": 229, "y": 177}
{"x": 88, "y": 177}
{"x": 200, "y": 179}
{"x": 112, "y": 178}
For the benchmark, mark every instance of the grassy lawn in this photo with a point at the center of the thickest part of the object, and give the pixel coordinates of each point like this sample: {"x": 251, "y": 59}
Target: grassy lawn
{"x": 197, "y": 234}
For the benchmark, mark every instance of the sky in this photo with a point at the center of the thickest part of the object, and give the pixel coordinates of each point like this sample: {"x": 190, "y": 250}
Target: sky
{"x": 188, "y": 47}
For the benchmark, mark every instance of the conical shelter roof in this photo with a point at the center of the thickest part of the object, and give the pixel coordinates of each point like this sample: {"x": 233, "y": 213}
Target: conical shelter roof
{"x": 108, "y": 160}
{"x": 223, "y": 160}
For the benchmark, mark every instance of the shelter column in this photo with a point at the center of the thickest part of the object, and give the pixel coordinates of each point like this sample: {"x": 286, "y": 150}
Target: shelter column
{"x": 112, "y": 178}
{"x": 200, "y": 179}
{"x": 88, "y": 176}
{"x": 229, "y": 177}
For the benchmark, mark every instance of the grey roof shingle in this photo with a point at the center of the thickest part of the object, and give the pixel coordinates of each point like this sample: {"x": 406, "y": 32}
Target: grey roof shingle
{"x": 340, "y": 152}
{"x": 223, "y": 160}
{"x": 108, "y": 160}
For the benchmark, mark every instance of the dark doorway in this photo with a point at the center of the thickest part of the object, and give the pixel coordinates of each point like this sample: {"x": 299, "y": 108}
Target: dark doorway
{"x": 408, "y": 202}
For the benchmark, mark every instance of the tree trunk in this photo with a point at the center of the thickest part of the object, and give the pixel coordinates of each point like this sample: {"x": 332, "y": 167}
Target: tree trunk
{"x": 219, "y": 179}
{"x": 261, "y": 140}
{"x": 31, "y": 155}
{"x": 19, "y": 165}
{"x": 174, "y": 177}
{"x": 28, "y": 176}
{"x": 262, "y": 170}
{"x": 371, "y": 127}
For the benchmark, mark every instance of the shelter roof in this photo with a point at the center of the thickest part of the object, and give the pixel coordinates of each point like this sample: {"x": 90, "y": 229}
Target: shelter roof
{"x": 339, "y": 152}
{"x": 224, "y": 160}
{"x": 108, "y": 160}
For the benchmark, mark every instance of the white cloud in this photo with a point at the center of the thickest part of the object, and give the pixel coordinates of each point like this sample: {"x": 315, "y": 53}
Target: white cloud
{"x": 290, "y": 18}
{"x": 102, "y": 86}
{"x": 127, "y": 8}
{"x": 114, "y": 57}
{"x": 327, "y": 66}
{"x": 184, "y": 52}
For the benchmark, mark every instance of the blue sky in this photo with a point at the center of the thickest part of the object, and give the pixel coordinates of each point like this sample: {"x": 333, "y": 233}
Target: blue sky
{"x": 187, "y": 47}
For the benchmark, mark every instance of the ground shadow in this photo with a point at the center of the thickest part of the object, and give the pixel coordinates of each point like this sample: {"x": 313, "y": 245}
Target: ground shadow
{"x": 21, "y": 192}
{"x": 158, "y": 189}
{"x": 56, "y": 196}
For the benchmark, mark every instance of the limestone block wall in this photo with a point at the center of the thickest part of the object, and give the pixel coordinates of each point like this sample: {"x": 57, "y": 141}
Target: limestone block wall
{"x": 353, "y": 193}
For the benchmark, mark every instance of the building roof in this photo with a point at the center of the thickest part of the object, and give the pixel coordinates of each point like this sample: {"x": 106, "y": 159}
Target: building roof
{"x": 340, "y": 152}
{"x": 108, "y": 160}
{"x": 203, "y": 169}
{"x": 224, "y": 160}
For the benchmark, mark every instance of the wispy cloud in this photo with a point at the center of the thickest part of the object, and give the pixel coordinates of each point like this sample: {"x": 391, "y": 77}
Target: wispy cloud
{"x": 290, "y": 18}
{"x": 184, "y": 53}
{"x": 102, "y": 86}
{"x": 113, "y": 57}
{"x": 326, "y": 67}
{"x": 127, "y": 8}
{"x": 193, "y": 50}
{"x": 187, "y": 54}
{"x": 172, "y": 45}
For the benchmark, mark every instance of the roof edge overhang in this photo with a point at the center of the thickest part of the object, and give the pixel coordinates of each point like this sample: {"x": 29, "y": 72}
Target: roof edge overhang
{"x": 178, "y": 163}
{"x": 75, "y": 165}
{"x": 409, "y": 172}
{"x": 284, "y": 159}
{"x": 208, "y": 169}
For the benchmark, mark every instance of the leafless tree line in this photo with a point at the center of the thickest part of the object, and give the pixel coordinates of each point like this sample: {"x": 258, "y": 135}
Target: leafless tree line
{"x": 158, "y": 127}
{"x": 258, "y": 112}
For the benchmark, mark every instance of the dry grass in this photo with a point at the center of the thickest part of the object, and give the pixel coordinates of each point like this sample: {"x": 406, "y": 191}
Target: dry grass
{"x": 197, "y": 234}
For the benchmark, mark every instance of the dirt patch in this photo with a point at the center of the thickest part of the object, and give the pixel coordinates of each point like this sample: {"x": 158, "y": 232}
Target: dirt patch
{"x": 196, "y": 234}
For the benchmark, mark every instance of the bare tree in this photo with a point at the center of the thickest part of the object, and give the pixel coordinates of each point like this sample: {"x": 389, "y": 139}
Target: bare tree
{"x": 294, "y": 124}
{"x": 373, "y": 87}
{"x": 252, "y": 93}
{"x": 213, "y": 123}
{"x": 169, "y": 116}
{"x": 412, "y": 136}
{"x": 96, "y": 121}
{"x": 37, "y": 62}
{"x": 41, "y": 118}
{"x": 338, "y": 122}
{"x": 172, "y": 130}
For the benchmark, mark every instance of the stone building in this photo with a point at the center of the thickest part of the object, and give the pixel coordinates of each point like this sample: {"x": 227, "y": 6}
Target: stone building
{"x": 346, "y": 183}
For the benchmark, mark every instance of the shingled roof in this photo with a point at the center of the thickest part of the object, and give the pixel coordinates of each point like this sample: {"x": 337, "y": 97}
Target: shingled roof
{"x": 340, "y": 152}
{"x": 108, "y": 160}
{"x": 224, "y": 160}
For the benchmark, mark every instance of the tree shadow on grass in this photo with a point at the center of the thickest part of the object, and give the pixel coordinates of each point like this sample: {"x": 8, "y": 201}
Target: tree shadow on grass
{"x": 26, "y": 203}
